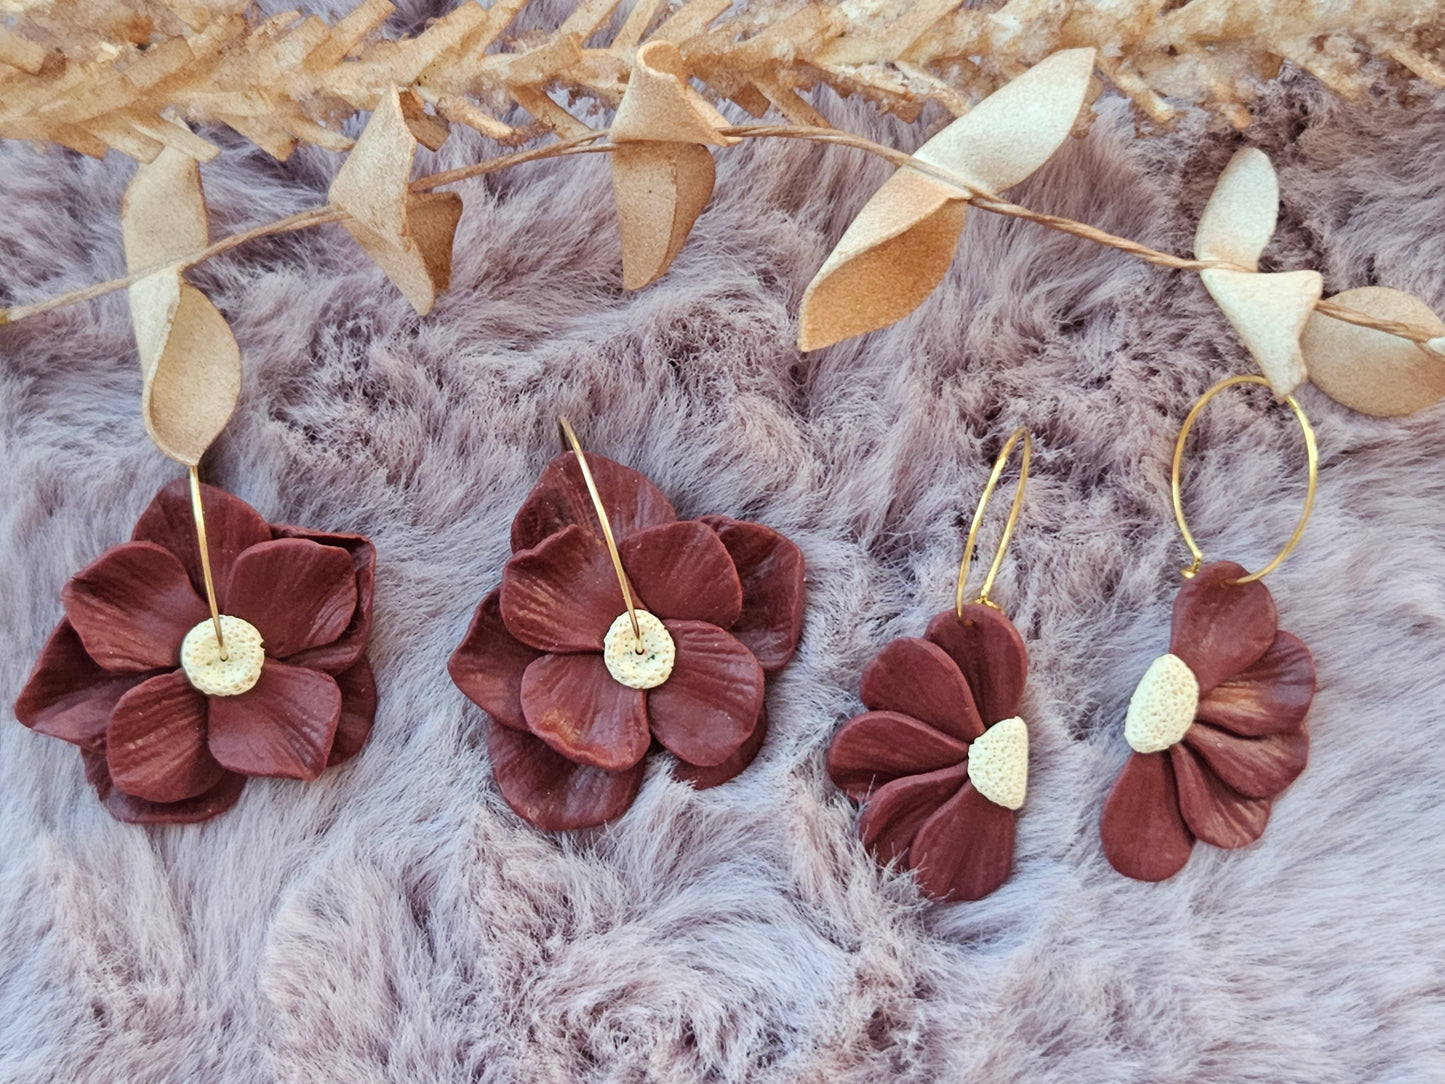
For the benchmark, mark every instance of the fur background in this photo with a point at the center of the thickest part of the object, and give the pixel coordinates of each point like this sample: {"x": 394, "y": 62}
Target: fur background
{"x": 394, "y": 921}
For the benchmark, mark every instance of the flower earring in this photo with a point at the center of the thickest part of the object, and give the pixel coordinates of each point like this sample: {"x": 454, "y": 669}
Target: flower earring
{"x": 941, "y": 756}
{"x": 189, "y": 659}
{"x": 1217, "y": 726}
{"x": 616, "y": 625}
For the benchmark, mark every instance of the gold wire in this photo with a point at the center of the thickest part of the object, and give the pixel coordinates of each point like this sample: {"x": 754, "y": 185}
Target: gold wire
{"x": 206, "y": 559}
{"x": 570, "y": 443}
{"x": 1013, "y": 517}
{"x": 1311, "y": 450}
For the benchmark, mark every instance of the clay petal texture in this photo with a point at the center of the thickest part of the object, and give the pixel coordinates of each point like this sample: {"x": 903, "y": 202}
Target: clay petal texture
{"x": 703, "y": 778}
{"x": 965, "y": 850}
{"x": 563, "y": 595}
{"x": 709, "y": 705}
{"x": 554, "y": 793}
{"x": 124, "y": 807}
{"x": 232, "y": 526}
{"x": 1255, "y": 767}
{"x": 1271, "y": 697}
{"x": 488, "y": 665}
{"x": 574, "y": 705}
{"x": 299, "y": 594}
{"x": 343, "y": 652}
{"x": 683, "y": 571}
{"x": 1221, "y": 628}
{"x": 877, "y": 747}
{"x": 918, "y": 678}
{"x": 560, "y": 499}
{"x": 990, "y": 654}
{"x": 358, "y": 711}
{"x": 156, "y": 744}
{"x": 68, "y": 695}
{"x": 1143, "y": 831}
{"x": 132, "y": 607}
{"x": 771, "y": 571}
{"x": 283, "y": 726}
{"x": 1214, "y": 812}
{"x": 894, "y": 814}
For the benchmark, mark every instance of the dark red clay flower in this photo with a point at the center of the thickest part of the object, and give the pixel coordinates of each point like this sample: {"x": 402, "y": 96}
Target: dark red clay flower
{"x": 941, "y": 787}
{"x": 1217, "y": 725}
{"x": 549, "y": 654}
{"x": 112, "y": 680}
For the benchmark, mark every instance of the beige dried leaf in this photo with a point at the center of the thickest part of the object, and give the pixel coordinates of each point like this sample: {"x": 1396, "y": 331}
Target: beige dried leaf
{"x": 409, "y": 234}
{"x": 896, "y": 252}
{"x": 190, "y": 363}
{"x": 1269, "y": 312}
{"x": 1239, "y": 218}
{"x": 1368, "y": 370}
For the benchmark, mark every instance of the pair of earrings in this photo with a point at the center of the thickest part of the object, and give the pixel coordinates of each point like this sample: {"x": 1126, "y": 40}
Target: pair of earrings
{"x": 1216, "y": 725}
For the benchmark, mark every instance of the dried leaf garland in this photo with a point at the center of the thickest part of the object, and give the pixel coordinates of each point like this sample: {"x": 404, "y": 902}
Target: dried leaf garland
{"x": 896, "y": 252}
{"x": 1368, "y": 370}
{"x": 190, "y": 363}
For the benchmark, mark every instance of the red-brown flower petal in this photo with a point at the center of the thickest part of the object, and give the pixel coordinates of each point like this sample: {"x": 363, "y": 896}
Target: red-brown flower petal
{"x": 1214, "y": 812}
{"x": 771, "y": 571}
{"x": 132, "y": 607}
{"x": 990, "y": 653}
{"x": 358, "y": 711}
{"x": 283, "y": 726}
{"x": 342, "y": 652}
{"x": 1256, "y": 767}
{"x": 563, "y": 595}
{"x": 554, "y": 793}
{"x": 123, "y": 807}
{"x": 560, "y": 499}
{"x": 877, "y": 747}
{"x": 487, "y": 666}
{"x": 1221, "y": 628}
{"x": 683, "y": 571}
{"x": 574, "y": 705}
{"x": 966, "y": 849}
{"x": 1272, "y": 696}
{"x": 297, "y": 593}
{"x": 232, "y": 526}
{"x": 67, "y": 695}
{"x": 156, "y": 745}
{"x": 709, "y": 705}
{"x": 898, "y": 809}
{"x": 1144, "y": 833}
{"x": 918, "y": 678}
{"x": 703, "y": 778}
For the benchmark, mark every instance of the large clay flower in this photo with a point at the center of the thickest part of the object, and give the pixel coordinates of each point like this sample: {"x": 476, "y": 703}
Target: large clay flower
{"x": 941, "y": 787}
{"x": 1217, "y": 727}
{"x": 551, "y": 654}
{"x": 168, "y": 731}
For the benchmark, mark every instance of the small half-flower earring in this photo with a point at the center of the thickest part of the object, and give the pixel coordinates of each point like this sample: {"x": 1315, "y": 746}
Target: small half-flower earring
{"x": 941, "y": 756}
{"x": 1217, "y": 726}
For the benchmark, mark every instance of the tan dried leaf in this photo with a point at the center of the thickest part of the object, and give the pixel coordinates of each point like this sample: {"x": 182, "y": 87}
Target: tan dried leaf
{"x": 1371, "y": 371}
{"x": 409, "y": 234}
{"x": 896, "y": 252}
{"x": 190, "y": 363}
{"x": 1269, "y": 312}
{"x": 1239, "y": 218}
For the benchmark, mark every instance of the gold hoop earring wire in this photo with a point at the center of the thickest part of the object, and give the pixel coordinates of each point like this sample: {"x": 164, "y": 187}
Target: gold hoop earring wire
{"x": 1021, "y": 433}
{"x": 570, "y": 443}
{"x": 1311, "y": 450}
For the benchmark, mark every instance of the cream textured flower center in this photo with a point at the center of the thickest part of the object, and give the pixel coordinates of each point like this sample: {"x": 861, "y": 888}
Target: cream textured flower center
{"x": 644, "y": 669}
{"x": 1163, "y": 706}
{"x": 213, "y": 675}
{"x": 998, "y": 763}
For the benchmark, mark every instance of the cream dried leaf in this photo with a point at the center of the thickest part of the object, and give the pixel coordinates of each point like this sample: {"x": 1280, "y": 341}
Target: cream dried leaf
{"x": 1269, "y": 312}
{"x": 1239, "y": 218}
{"x": 1368, "y": 370}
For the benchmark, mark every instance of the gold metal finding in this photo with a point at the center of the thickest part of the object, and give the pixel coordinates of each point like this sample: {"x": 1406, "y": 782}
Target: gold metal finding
{"x": 1311, "y": 450}
{"x": 200, "y": 515}
{"x": 570, "y": 443}
{"x": 1021, "y": 433}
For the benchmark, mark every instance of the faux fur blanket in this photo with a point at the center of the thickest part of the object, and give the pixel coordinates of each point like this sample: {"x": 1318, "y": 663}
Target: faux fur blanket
{"x": 395, "y": 921}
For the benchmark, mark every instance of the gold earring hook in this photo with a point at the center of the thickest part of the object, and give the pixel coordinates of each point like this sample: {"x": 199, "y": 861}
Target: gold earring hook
{"x": 1311, "y": 450}
{"x": 570, "y": 443}
{"x": 200, "y": 517}
{"x": 1013, "y": 517}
